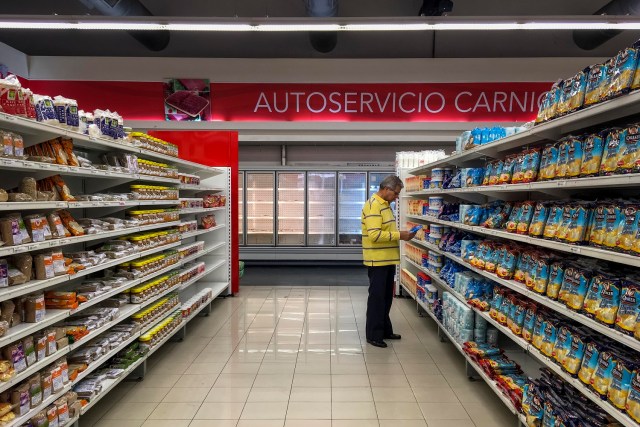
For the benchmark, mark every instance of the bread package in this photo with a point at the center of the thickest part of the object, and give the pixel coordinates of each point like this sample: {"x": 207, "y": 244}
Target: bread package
{"x": 34, "y": 309}
{"x": 44, "y": 266}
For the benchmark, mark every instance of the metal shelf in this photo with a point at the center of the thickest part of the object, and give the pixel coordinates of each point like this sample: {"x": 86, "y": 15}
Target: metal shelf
{"x": 190, "y": 211}
{"x": 200, "y": 232}
{"x": 209, "y": 270}
{"x": 599, "y": 114}
{"x": 55, "y": 243}
{"x": 561, "y": 185}
{"x": 198, "y": 188}
{"x": 587, "y": 251}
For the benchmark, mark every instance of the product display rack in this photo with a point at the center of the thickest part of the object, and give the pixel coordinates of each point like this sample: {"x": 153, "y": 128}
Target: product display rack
{"x": 593, "y": 117}
{"x": 216, "y": 253}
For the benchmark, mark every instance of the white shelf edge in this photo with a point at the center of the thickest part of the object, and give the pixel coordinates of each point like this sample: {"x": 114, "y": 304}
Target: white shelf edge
{"x": 209, "y": 270}
{"x": 199, "y": 210}
{"x": 200, "y": 232}
{"x": 36, "y": 367}
{"x": 56, "y": 243}
{"x": 195, "y": 187}
{"x": 24, "y": 329}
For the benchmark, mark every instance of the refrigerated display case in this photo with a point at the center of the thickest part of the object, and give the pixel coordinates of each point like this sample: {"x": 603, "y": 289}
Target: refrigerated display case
{"x": 241, "y": 208}
{"x": 290, "y": 208}
{"x": 321, "y": 208}
{"x": 352, "y": 193}
{"x": 375, "y": 178}
{"x": 260, "y": 208}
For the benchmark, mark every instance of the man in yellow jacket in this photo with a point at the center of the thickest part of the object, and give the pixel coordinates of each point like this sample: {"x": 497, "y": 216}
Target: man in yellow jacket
{"x": 381, "y": 254}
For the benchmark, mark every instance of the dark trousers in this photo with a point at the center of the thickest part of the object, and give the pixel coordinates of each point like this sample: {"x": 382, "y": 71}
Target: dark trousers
{"x": 379, "y": 303}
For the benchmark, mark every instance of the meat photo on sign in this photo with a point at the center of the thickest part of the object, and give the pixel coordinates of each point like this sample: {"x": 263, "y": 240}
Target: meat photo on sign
{"x": 187, "y": 99}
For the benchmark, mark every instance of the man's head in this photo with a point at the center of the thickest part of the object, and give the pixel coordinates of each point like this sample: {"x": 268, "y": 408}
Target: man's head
{"x": 390, "y": 188}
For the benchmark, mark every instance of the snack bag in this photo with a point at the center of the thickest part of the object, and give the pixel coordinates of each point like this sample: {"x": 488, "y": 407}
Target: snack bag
{"x": 612, "y": 153}
{"x": 548, "y": 162}
{"x": 529, "y": 322}
{"x": 609, "y": 301}
{"x": 508, "y": 167}
{"x": 626, "y": 238}
{"x": 633, "y": 400}
{"x": 629, "y": 310}
{"x": 605, "y": 84}
{"x": 519, "y": 167}
{"x": 589, "y": 362}
{"x": 488, "y": 170}
{"x": 496, "y": 172}
{"x": 602, "y": 377}
{"x": 626, "y": 62}
{"x": 577, "y": 289}
{"x": 540, "y": 273}
{"x": 568, "y": 213}
{"x": 577, "y": 348}
{"x": 512, "y": 222}
{"x": 578, "y": 87}
{"x": 592, "y": 150}
{"x": 574, "y": 157}
{"x": 538, "y": 330}
{"x": 620, "y": 383}
{"x": 565, "y": 97}
{"x": 556, "y": 278}
{"x": 563, "y": 158}
{"x": 526, "y": 215}
{"x": 578, "y": 224}
{"x": 629, "y": 161}
{"x": 522, "y": 267}
{"x": 531, "y": 165}
{"x": 549, "y": 338}
{"x": 554, "y": 219}
{"x": 507, "y": 266}
{"x": 592, "y": 298}
{"x": 539, "y": 219}
{"x": 563, "y": 345}
{"x": 518, "y": 316}
{"x": 614, "y": 221}
{"x": 598, "y": 225}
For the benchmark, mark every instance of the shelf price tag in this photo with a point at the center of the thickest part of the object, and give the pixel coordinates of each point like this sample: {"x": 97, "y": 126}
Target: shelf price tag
{"x": 574, "y": 249}
{"x": 61, "y": 205}
{"x": 562, "y": 183}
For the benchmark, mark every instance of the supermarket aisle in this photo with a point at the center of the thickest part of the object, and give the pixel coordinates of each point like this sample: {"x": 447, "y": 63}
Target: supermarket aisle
{"x": 293, "y": 357}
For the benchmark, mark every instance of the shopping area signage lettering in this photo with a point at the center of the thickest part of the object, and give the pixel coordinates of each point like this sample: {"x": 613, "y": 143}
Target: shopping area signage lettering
{"x": 376, "y": 102}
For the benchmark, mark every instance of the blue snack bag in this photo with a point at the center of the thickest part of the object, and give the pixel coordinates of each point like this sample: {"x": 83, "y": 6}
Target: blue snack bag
{"x": 592, "y": 150}
{"x": 595, "y": 78}
{"x": 573, "y": 359}
{"x": 612, "y": 153}
{"x": 626, "y": 62}
{"x": 603, "y": 376}
{"x": 620, "y": 383}
{"x": 589, "y": 362}
{"x": 629, "y": 161}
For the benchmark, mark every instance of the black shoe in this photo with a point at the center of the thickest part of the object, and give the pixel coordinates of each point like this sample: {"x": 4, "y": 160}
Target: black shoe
{"x": 380, "y": 344}
{"x": 393, "y": 337}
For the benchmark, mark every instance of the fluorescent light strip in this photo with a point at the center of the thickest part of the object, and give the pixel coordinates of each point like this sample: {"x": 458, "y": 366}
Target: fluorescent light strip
{"x": 310, "y": 26}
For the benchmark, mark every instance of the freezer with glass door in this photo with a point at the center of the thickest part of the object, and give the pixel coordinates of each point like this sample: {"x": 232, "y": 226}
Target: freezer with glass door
{"x": 352, "y": 193}
{"x": 260, "y": 208}
{"x": 321, "y": 208}
{"x": 241, "y": 208}
{"x": 290, "y": 208}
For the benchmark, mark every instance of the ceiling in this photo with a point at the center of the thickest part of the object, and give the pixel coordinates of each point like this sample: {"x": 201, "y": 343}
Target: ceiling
{"x": 298, "y": 45}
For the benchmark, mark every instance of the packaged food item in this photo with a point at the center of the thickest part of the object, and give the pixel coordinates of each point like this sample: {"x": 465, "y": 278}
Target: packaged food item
{"x": 507, "y": 169}
{"x": 629, "y": 309}
{"x": 21, "y": 399}
{"x": 44, "y": 266}
{"x": 602, "y": 377}
{"x": 562, "y": 345}
{"x": 70, "y": 223}
{"x": 550, "y": 335}
{"x": 67, "y": 146}
{"x": 577, "y": 92}
{"x": 62, "y": 188}
{"x": 29, "y": 348}
{"x": 28, "y": 186}
{"x": 576, "y": 284}
{"x": 52, "y": 416}
{"x": 35, "y": 309}
{"x": 626, "y": 62}
{"x": 633, "y": 400}
{"x": 574, "y": 157}
{"x": 620, "y": 383}
{"x": 577, "y": 347}
{"x": 38, "y": 227}
{"x": 589, "y": 362}
{"x": 593, "y": 148}
{"x": 13, "y": 230}
{"x": 554, "y": 220}
{"x": 531, "y": 165}
{"x": 612, "y": 153}
{"x": 35, "y": 390}
{"x": 548, "y": 162}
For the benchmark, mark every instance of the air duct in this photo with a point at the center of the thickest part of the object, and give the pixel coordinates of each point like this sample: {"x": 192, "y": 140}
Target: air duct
{"x": 323, "y": 42}
{"x": 152, "y": 40}
{"x": 591, "y": 39}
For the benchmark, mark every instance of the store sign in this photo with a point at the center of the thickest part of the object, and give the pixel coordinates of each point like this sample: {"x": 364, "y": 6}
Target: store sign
{"x": 409, "y": 102}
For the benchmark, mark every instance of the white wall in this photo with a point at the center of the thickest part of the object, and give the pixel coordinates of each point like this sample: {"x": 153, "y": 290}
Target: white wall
{"x": 15, "y": 60}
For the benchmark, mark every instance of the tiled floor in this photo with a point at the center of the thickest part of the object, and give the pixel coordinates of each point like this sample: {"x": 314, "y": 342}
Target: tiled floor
{"x": 297, "y": 357}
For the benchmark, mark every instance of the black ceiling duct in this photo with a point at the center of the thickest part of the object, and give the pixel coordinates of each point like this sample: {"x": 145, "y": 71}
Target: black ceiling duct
{"x": 591, "y": 39}
{"x": 152, "y": 40}
{"x": 435, "y": 7}
{"x": 323, "y": 41}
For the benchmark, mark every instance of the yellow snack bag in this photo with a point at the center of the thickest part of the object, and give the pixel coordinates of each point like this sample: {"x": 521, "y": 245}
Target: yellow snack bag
{"x": 633, "y": 400}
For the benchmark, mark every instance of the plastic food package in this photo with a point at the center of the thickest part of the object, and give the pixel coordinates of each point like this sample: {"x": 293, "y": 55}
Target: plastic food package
{"x": 62, "y": 188}
{"x": 38, "y": 227}
{"x": 603, "y": 375}
{"x": 626, "y": 62}
{"x": 70, "y": 223}
{"x": 629, "y": 309}
{"x": 612, "y": 153}
{"x": 593, "y": 148}
{"x": 633, "y": 400}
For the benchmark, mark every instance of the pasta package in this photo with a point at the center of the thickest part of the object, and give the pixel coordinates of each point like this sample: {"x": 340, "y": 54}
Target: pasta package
{"x": 629, "y": 159}
{"x": 602, "y": 377}
{"x": 592, "y": 150}
{"x": 612, "y": 153}
{"x": 595, "y": 77}
{"x": 629, "y": 309}
{"x": 626, "y": 62}
{"x": 620, "y": 384}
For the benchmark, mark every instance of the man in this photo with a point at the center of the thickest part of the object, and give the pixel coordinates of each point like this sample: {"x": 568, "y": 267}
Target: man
{"x": 381, "y": 254}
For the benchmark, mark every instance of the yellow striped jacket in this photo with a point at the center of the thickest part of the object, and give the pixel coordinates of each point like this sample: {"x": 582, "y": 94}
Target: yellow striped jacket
{"x": 380, "y": 236}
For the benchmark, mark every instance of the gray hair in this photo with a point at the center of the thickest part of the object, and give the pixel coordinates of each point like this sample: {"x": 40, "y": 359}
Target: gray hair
{"x": 391, "y": 182}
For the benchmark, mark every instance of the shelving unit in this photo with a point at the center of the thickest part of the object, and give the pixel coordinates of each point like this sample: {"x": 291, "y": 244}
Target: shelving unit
{"x": 598, "y": 116}
{"x": 216, "y": 253}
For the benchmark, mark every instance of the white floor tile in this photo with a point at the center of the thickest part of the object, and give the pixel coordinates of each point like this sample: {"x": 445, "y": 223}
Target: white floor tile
{"x": 353, "y": 411}
{"x": 228, "y": 394}
{"x": 219, "y": 411}
{"x": 269, "y": 394}
{"x": 309, "y": 410}
{"x": 174, "y": 411}
{"x": 264, "y": 411}
{"x": 352, "y": 394}
{"x": 310, "y": 394}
